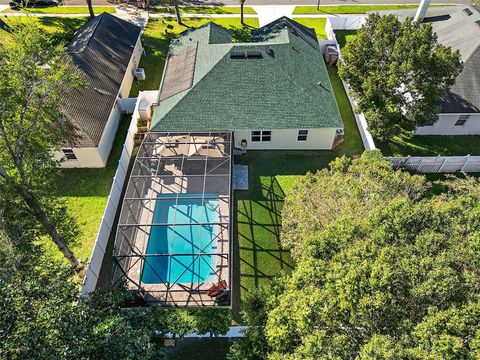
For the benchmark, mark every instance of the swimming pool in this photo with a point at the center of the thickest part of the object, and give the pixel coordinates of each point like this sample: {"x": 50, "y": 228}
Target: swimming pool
{"x": 191, "y": 238}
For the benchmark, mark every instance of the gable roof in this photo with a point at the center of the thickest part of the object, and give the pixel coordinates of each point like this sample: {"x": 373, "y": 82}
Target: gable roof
{"x": 460, "y": 31}
{"x": 280, "y": 83}
{"x": 101, "y": 50}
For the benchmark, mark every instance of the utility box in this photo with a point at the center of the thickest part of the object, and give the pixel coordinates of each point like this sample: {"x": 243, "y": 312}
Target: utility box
{"x": 331, "y": 55}
{"x": 139, "y": 73}
{"x": 145, "y": 110}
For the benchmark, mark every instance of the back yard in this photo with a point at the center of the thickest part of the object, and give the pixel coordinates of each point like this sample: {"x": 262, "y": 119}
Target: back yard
{"x": 405, "y": 143}
{"x": 258, "y": 211}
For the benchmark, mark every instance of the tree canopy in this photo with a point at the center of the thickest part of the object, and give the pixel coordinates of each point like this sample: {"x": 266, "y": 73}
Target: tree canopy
{"x": 397, "y": 72}
{"x": 399, "y": 281}
{"x": 33, "y": 75}
{"x": 41, "y": 316}
{"x": 345, "y": 189}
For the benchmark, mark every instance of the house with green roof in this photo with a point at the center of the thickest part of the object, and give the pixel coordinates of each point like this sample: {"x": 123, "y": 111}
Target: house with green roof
{"x": 272, "y": 93}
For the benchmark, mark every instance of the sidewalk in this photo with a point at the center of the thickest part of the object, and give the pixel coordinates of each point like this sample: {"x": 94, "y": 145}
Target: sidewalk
{"x": 269, "y": 13}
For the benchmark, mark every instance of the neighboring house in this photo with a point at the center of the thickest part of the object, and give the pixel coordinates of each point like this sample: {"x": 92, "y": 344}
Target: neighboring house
{"x": 272, "y": 93}
{"x": 106, "y": 51}
{"x": 459, "y": 28}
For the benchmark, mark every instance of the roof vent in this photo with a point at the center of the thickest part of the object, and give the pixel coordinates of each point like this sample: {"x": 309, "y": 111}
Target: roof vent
{"x": 237, "y": 55}
{"x": 467, "y": 11}
{"x": 254, "y": 55}
{"x": 269, "y": 51}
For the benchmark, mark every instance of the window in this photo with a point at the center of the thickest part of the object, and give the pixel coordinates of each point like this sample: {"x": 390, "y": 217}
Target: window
{"x": 69, "y": 154}
{"x": 462, "y": 119}
{"x": 263, "y": 136}
{"x": 302, "y": 135}
{"x": 266, "y": 135}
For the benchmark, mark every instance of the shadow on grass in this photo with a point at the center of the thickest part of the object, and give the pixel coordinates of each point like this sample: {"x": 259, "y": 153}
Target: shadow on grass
{"x": 65, "y": 27}
{"x": 258, "y": 256}
{"x": 94, "y": 182}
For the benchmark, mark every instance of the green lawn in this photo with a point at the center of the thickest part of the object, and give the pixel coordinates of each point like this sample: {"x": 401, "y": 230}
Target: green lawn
{"x": 353, "y": 144}
{"x": 317, "y": 24}
{"x": 86, "y": 191}
{"x": 157, "y": 37}
{"x": 349, "y": 9}
{"x": 204, "y": 10}
{"x": 63, "y": 10}
{"x": 430, "y": 145}
{"x": 258, "y": 219}
{"x": 344, "y": 36}
{"x": 62, "y": 28}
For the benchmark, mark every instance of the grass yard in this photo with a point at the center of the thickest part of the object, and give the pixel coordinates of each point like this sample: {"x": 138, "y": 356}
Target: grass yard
{"x": 86, "y": 191}
{"x": 62, "y": 28}
{"x": 258, "y": 216}
{"x": 344, "y": 36}
{"x": 317, "y": 24}
{"x": 353, "y": 144}
{"x": 349, "y": 9}
{"x": 62, "y": 10}
{"x": 203, "y": 10}
{"x": 430, "y": 145}
{"x": 156, "y": 40}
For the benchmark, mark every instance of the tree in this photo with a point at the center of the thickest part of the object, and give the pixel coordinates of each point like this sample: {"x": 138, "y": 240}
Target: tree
{"x": 90, "y": 9}
{"x": 41, "y": 317}
{"x": 397, "y": 72}
{"x": 397, "y": 282}
{"x": 242, "y": 3}
{"x": 348, "y": 188}
{"x": 33, "y": 75}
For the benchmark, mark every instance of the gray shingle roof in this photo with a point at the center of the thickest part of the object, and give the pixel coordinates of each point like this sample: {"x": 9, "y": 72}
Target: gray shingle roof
{"x": 101, "y": 50}
{"x": 455, "y": 28}
{"x": 288, "y": 87}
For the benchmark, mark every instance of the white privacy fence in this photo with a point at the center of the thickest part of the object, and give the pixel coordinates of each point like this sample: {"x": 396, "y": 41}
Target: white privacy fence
{"x": 346, "y": 22}
{"x": 108, "y": 218}
{"x": 437, "y": 164}
{"x": 106, "y": 226}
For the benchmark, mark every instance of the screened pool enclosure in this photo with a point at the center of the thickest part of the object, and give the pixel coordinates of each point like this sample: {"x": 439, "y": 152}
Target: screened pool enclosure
{"x": 173, "y": 239}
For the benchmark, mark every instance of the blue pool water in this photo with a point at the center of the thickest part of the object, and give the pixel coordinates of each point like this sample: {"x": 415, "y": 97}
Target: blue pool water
{"x": 181, "y": 239}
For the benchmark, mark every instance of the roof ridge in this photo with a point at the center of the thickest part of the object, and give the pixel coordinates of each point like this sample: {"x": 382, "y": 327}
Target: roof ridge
{"x": 472, "y": 54}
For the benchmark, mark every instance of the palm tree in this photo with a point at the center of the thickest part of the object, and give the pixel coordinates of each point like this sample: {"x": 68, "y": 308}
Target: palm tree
{"x": 242, "y": 2}
{"x": 177, "y": 13}
{"x": 90, "y": 9}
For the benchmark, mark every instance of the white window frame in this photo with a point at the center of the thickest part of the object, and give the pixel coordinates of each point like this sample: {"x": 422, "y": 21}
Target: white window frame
{"x": 302, "y": 135}
{"x": 462, "y": 120}
{"x": 261, "y": 136}
{"x": 69, "y": 154}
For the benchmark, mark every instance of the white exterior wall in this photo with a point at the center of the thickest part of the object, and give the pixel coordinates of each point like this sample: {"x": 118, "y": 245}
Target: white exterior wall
{"x": 318, "y": 139}
{"x": 445, "y": 125}
{"x": 87, "y": 157}
{"x": 96, "y": 157}
{"x": 128, "y": 79}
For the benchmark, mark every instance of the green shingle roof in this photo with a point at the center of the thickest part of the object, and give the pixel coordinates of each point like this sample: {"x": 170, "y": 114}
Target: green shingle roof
{"x": 289, "y": 90}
